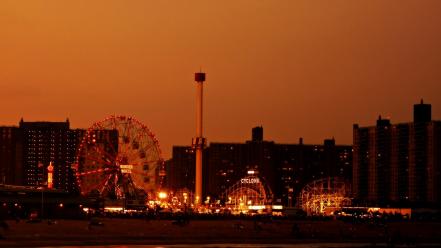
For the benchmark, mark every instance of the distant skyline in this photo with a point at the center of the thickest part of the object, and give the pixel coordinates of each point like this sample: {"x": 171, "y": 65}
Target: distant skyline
{"x": 306, "y": 69}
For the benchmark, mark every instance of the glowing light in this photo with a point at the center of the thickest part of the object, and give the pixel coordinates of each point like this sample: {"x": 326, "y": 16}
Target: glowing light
{"x": 126, "y": 168}
{"x": 250, "y": 180}
{"x": 373, "y": 209}
{"x": 50, "y": 170}
{"x": 162, "y": 195}
{"x": 278, "y": 207}
{"x": 256, "y": 207}
{"x": 113, "y": 209}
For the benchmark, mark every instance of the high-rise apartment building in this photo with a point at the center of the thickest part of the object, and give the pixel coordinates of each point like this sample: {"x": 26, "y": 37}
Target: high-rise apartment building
{"x": 300, "y": 164}
{"x": 398, "y": 164}
{"x": 27, "y": 150}
{"x": 10, "y": 166}
{"x": 45, "y": 142}
{"x": 180, "y": 169}
{"x": 284, "y": 168}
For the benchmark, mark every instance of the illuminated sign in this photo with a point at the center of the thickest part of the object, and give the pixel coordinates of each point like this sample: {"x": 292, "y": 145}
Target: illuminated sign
{"x": 126, "y": 168}
{"x": 50, "y": 170}
{"x": 252, "y": 180}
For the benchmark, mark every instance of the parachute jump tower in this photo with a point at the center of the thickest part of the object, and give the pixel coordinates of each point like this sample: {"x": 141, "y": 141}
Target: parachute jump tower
{"x": 199, "y": 141}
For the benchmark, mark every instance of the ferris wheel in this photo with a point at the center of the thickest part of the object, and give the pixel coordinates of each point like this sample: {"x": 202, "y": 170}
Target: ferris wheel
{"x": 119, "y": 158}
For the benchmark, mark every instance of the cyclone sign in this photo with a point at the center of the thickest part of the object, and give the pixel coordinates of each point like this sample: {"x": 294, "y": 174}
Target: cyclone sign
{"x": 252, "y": 180}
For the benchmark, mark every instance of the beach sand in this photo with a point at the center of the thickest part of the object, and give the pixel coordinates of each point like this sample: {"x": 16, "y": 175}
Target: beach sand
{"x": 155, "y": 232}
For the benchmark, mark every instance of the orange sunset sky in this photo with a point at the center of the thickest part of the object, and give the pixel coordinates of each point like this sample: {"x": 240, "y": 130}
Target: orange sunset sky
{"x": 300, "y": 68}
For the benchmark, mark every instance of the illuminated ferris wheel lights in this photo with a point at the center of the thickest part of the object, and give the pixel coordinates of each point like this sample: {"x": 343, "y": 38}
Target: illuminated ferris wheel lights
{"x": 118, "y": 155}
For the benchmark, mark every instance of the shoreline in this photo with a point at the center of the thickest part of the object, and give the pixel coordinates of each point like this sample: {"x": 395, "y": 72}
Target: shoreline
{"x": 203, "y": 232}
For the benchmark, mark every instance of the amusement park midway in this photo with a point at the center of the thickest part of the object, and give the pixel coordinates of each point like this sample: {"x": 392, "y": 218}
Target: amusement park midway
{"x": 242, "y": 123}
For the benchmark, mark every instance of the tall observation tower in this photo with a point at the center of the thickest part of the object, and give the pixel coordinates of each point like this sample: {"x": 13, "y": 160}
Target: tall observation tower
{"x": 199, "y": 141}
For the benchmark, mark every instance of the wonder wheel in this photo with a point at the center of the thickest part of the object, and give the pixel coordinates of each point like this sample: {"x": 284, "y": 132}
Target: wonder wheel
{"x": 119, "y": 158}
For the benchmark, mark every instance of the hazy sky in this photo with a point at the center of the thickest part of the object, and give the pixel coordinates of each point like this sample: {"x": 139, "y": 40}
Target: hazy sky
{"x": 300, "y": 68}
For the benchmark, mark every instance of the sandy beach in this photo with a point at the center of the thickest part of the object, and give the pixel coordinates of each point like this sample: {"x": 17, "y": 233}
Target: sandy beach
{"x": 153, "y": 232}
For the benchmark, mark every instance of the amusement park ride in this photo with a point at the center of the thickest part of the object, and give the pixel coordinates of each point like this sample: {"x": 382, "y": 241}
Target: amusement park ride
{"x": 324, "y": 196}
{"x": 119, "y": 160}
{"x": 249, "y": 193}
